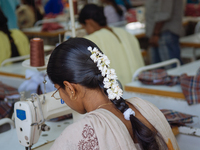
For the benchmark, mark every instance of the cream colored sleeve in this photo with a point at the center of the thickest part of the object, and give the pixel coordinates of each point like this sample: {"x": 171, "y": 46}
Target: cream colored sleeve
{"x": 5, "y": 47}
{"x": 21, "y": 41}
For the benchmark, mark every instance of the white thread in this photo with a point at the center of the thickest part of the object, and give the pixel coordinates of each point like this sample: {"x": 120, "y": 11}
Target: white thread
{"x": 127, "y": 113}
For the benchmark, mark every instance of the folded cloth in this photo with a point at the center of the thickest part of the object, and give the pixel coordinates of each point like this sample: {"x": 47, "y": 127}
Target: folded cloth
{"x": 6, "y": 90}
{"x": 158, "y": 77}
{"x": 190, "y": 86}
{"x": 51, "y": 26}
{"x": 178, "y": 118}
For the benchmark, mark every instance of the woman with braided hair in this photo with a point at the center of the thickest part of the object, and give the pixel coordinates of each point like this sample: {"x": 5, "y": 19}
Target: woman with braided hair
{"x": 81, "y": 74}
{"x": 13, "y": 42}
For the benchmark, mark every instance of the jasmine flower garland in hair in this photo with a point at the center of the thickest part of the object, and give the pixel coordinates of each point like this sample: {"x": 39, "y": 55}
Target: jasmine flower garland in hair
{"x": 110, "y": 77}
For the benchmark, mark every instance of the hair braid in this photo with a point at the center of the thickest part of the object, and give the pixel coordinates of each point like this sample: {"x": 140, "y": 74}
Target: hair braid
{"x": 4, "y": 28}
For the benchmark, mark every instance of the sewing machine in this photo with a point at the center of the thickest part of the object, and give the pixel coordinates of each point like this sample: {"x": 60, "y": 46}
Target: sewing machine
{"x": 31, "y": 114}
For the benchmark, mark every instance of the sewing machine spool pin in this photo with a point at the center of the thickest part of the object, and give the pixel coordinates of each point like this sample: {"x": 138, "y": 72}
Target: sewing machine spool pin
{"x": 44, "y": 82}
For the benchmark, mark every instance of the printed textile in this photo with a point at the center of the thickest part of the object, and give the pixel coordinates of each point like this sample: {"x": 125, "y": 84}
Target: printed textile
{"x": 177, "y": 118}
{"x": 6, "y": 90}
{"x": 158, "y": 77}
{"x": 191, "y": 87}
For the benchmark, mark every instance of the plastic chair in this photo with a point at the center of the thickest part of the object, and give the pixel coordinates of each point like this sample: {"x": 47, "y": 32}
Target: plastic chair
{"x": 14, "y": 59}
{"x": 157, "y": 65}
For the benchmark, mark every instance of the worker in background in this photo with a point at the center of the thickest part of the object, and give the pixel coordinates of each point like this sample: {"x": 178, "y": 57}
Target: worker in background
{"x": 121, "y": 47}
{"x": 54, "y": 7}
{"x": 12, "y": 42}
{"x": 163, "y": 28}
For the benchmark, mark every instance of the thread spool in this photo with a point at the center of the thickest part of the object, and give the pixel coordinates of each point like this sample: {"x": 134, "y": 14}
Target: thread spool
{"x": 37, "y": 52}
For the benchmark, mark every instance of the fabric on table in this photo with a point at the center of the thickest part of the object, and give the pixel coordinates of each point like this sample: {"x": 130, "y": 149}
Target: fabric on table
{"x": 131, "y": 15}
{"x": 190, "y": 86}
{"x": 11, "y": 95}
{"x": 175, "y": 117}
{"x": 5, "y": 109}
{"x": 158, "y": 77}
{"x": 51, "y": 26}
{"x": 6, "y": 90}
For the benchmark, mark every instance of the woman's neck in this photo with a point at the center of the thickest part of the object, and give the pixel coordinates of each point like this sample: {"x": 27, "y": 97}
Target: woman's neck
{"x": 94, "y": 98}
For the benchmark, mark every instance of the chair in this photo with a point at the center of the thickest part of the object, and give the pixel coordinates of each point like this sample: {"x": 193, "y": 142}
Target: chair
{"x": 154, "y": 66}
{"x": 14, "y": 59}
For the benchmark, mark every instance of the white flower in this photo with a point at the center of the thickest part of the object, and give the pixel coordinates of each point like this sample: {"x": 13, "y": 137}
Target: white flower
{"x": 90, "y": 48}
{"x": 94, "y": 57}
{"x": 107, "y": 83}
{"x": 110, "y": 77}
{"x": 111, "y": 74}
{"x": 111, "y": 94}
{"x": 95, "y": 50}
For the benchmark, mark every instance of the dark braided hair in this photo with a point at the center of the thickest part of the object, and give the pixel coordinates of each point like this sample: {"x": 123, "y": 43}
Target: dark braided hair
{"x": 70, "y": 61}
{"x": 4, "y": 28}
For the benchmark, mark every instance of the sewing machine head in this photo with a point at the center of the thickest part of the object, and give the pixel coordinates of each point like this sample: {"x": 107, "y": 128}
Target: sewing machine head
{"x": 31, "y": 113}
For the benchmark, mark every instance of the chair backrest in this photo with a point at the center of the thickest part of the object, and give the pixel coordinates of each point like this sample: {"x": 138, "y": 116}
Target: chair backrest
{"x": 14, "y": 59}
{"x": 157, "y": 65}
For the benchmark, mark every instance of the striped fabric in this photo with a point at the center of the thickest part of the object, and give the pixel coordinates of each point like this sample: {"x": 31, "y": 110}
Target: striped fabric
{"x": 191, "y": 87}
{"x": 158, "y": 77}
{"x": 178, "y": 118}
{"x": 6, "y": 90}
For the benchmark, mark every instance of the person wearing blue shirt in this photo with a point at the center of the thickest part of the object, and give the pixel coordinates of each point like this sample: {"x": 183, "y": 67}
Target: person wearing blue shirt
{"x": 8, "y": 7}
{"x": 53, "y": 6}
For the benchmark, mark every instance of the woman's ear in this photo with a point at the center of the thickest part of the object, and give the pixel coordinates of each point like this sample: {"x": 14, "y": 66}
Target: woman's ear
{"x": 69, "y": 88}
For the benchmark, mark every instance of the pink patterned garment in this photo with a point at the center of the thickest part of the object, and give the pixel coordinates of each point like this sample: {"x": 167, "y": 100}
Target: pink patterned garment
{"x": 89, "y": 140}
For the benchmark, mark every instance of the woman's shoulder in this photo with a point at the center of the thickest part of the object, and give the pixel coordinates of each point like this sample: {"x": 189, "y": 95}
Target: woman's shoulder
{"x": 145, "y": 107}
{"x": 90, "y": 120}
{"x": 138, "y": 101}
{"x": 80, "y": 132}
